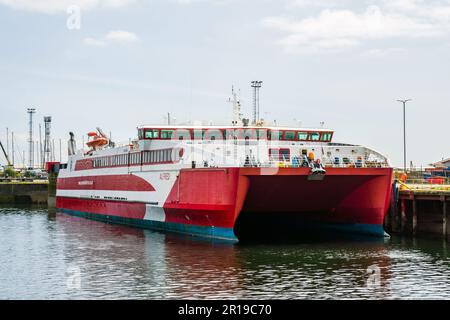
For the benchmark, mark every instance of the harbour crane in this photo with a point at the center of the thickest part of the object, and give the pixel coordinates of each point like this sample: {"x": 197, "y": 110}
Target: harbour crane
{"x": 6, "y": 155}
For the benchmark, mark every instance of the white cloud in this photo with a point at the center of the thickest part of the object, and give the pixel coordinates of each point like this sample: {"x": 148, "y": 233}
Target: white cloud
{"x": 122, "y": 36}
{"x": 56, "y": 6}
{"x": 344, "y": 28}
{"x": 112, "y": 37}
{"x": 94, "y": 42}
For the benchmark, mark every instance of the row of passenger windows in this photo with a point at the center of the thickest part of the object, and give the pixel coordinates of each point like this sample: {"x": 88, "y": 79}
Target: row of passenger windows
{"x": 137, "y": 158}
{"x": 212, "y": 134}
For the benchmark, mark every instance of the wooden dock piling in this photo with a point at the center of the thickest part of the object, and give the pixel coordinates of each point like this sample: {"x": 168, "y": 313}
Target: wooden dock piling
{"x": 403, "y": 216}
{"x": 414, "y": 217}
{"x": 445, "y": 225}
{"x": 420, "y": 211}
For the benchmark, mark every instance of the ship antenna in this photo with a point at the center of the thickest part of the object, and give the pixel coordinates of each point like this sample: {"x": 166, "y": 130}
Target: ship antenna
{"x": 236, "y": 107}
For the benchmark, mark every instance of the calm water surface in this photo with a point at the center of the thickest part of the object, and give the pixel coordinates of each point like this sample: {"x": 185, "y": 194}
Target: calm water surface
{"x": 48, "y": 256}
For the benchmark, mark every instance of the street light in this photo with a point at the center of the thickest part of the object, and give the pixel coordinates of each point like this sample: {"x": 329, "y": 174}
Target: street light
{"x": 404, "y": 131}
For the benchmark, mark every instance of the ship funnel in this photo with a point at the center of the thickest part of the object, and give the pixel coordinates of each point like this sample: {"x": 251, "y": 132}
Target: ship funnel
{"x": 72, "y": 145}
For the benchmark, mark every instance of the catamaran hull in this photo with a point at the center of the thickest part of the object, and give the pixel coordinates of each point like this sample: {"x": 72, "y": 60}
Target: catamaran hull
{"x": 215, "y": 202}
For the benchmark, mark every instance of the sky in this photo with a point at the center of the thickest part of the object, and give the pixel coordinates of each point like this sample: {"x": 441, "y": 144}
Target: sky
{"x": 117, "y": 64}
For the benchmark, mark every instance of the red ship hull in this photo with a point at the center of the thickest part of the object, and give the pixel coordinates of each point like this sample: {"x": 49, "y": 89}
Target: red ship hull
{"x": 212, "y": 201}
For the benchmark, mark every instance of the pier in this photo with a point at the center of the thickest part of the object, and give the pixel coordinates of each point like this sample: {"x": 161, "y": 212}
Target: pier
{"x": 417, "y": 211}
{"x": 16, "y": 192}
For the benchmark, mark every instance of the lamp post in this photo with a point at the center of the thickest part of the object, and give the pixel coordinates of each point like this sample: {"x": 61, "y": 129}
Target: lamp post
{"x": 404, "y": 131}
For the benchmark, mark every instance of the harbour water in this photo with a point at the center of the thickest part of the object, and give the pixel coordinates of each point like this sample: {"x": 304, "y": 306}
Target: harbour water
{"x": 55, "y": 256}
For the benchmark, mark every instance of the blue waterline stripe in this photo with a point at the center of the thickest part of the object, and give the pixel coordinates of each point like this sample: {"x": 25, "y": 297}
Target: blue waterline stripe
{"x": 355, "y": 228}
{"x": 226, "y": 234}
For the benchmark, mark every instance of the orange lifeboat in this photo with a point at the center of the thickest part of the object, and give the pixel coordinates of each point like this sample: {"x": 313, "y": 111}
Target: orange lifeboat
{"x": 97, "y": 141}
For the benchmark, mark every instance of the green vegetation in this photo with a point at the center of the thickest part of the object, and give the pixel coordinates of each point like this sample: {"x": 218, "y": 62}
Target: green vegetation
{"x": 29, "y": 174}
{"x": 9, "y": 172}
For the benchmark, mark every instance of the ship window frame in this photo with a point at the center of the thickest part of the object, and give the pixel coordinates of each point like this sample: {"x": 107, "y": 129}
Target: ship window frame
{"x": 151, "y": 134}
{"x": 182, "y": 134}
{"x": 302, "y": 135}
{"x": 314, "y": 134}
{"x": 325, "y": 136}
{"x": 281, "y": 154}
{"x": 280, "y": 135}
{"x": 164, "y": 136}
{"x": 292, "y": 138}
{"x": 277, "y": 154}
{"x": 214, "y": 134}
{"x": 198, "y": 134}
{"x": 272, "y": 153}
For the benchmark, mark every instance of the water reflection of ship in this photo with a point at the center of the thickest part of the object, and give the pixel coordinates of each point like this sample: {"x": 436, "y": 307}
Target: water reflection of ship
{"x": 146, "y": 264}
{"x": 276, "y": 271}
{"x": 150, "y": 264}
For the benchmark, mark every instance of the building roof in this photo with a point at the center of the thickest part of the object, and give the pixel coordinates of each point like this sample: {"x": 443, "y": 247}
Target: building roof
{"x": 445, "y": 163}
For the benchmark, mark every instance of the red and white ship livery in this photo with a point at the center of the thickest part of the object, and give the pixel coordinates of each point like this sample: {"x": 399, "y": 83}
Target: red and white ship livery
{"x": 214, "y": 180}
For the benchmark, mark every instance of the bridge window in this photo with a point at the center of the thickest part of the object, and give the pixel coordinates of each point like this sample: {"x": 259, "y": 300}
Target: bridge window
{"x": 182, "y": 134}
{"x": 326, "y": 136}
{"x": 214, "y": 134}
{"x": 289, "y": 135}
{"x": 276, "y": 135}
{"x": 199, "y": 134}
{"x": 166, "y": 134}
{"x": 303, "y": 136}
{"x": 151, "y": 134}
{"x": 314, "y": 136}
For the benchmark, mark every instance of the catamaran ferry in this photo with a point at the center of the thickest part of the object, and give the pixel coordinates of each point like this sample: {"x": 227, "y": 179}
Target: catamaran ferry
{"x": 225, "y": 181}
